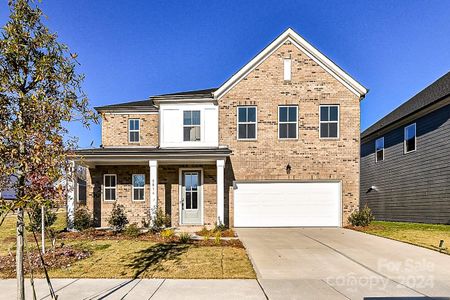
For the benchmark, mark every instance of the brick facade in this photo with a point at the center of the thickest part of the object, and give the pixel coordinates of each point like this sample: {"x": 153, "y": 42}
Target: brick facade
{"x": 115, "y": 129}
{"x": 168, "y": 193}
{"x": 311, "y": 158}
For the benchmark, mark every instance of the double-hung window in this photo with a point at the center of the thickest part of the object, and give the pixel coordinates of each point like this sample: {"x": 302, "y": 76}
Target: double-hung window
{"x": 109, "y": 187}
{"x": 138, "y": 182}
{"x": 133, "y": 130}
{"x": 246, "y": 123}
{"x": 329, "y": 121}
{"x": 287, "y": 122}
{"x": 410, "y": 138}
{"x": 379, "y": 149}
{"x": 191, "y": 125}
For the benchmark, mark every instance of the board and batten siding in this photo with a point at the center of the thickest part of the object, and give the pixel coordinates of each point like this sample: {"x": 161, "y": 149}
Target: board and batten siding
{"x": 412, "y": 187}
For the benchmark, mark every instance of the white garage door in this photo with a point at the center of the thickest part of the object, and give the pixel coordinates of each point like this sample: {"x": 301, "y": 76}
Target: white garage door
{"x": 283, "y": 204}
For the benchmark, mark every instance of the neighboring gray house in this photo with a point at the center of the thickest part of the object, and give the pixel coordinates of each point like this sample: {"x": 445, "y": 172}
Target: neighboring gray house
{"x": 405, "y": 159}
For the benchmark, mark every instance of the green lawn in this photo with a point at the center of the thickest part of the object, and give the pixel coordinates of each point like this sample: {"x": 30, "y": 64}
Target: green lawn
{"x": 127, "y": 257}
{"x": 424, "y": 235}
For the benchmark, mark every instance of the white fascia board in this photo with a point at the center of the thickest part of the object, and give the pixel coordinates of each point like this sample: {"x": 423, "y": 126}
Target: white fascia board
{"x": 309, "y": 50}
{"x": 131, "y": 112}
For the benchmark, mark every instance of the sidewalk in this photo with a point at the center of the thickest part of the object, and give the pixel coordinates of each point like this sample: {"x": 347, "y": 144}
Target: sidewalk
{"x": 68, "y": 289}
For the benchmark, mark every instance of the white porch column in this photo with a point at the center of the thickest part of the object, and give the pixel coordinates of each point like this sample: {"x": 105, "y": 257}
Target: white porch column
{"x": 153, "y": 189}
{"x": 220, "y": 191}
{"x": 70, "y": 186}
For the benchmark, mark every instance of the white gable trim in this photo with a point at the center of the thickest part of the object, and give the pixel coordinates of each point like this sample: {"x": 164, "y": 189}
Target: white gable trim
{"x": 310, "y": 51}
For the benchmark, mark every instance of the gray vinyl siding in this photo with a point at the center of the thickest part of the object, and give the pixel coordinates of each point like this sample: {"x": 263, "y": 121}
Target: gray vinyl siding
{"x": 412, "y": 187}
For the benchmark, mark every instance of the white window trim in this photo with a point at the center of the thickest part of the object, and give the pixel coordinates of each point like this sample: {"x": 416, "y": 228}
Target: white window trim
{"x": 376, "y": 154}
{"x": 404, "y": 138}
{"x": 104, "y": 187}
{"x": 296, "y": 123}
{"x": 137, "y": 188}
{"x": 199, "y": 125}
{"x": 287, "y": 69}
{"x": 134, "y": 130}
{"x": 243, "y": 123}
{"x": 338, "y": 122}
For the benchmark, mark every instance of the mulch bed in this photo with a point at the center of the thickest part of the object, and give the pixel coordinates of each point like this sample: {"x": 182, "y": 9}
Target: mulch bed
{"x": 212, "y": 233}
{"x": 93, "y": 234}
{"x": 61, "y": 257}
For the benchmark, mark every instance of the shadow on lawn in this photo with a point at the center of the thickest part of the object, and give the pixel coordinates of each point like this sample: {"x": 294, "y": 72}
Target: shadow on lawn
{"x": 155, "y": 254}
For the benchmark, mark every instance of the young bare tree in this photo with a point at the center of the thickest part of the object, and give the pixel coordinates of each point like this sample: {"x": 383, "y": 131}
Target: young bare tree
{"x": 40, "y": 92}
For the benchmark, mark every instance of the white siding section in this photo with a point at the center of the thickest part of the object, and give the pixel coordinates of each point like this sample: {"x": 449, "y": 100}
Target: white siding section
{"x": 171, "y": 125}
{"x": 284, "y": 204}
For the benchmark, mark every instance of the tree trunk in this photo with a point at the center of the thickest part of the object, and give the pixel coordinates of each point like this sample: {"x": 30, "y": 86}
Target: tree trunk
{"x": 19, "y": 255}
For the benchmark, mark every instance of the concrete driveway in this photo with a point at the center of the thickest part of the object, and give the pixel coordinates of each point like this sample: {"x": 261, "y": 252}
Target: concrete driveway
{"x": 335, "y": 263}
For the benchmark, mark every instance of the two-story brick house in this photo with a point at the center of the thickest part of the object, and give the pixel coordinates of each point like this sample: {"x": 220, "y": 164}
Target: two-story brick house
{"x": 276, "y": 145}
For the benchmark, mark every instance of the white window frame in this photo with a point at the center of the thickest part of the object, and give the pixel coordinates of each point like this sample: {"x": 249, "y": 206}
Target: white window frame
{"x": 287, "y": 69}
{"x": 199, "y": 125}
{"x": 134, "y": 130}
{"x": 247, "y": 123}
{"x": 404, "y": 138}
{"x": 376, "y": 152}
{"x": 109, "y": 188}
{"x": 288, "y": 122}
{"x": 338, "y": 121}
{"x": 137, "y": 188}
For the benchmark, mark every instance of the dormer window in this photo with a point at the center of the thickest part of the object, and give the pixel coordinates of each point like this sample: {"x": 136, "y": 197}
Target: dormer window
{"x": 191, "y": 125}
{"x": 133, "y": 130}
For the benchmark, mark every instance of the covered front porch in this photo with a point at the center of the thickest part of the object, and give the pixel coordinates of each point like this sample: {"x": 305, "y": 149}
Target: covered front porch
{"x": 187, "y": 185}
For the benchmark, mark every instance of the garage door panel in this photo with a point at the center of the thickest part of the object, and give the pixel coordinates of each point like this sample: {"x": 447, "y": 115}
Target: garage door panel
{"x": 287, "y": 204}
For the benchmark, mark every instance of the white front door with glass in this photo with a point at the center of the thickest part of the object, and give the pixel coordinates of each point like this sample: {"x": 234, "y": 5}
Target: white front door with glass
{"x": 191, "y": 197}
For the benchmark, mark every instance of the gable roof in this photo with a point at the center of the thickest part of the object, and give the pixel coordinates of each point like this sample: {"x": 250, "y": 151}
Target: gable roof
{"x": 435, "y": 92}
{"x": 142, "y": 105}
{"x": 309, "y": 50}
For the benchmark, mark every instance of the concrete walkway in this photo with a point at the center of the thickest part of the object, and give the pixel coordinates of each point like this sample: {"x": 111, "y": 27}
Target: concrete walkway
{"x": 335, "y": 263}
{"x": 68, "y": 289}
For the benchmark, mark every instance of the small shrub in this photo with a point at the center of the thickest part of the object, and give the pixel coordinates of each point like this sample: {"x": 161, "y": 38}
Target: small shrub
{"x": 217, "y": 238}
{"x": 161, "y": 221}
{"x": 185, "y": 237}
{"x": 36, "y": 218}
{"x": 167, "y": 233}
{"x": 361, "y": 217}
{"x": 83, "y": 219}
{"x": 118, "y": 219}
{"x": 220, "y": 227}
{"x": 132, "y": 230}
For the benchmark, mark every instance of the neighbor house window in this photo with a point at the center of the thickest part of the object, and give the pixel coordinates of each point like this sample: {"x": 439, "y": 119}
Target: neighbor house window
{"x": 138, "y": 181}
{"x": 287, "y": 68}
{"x": 109, "y": 186}
{"x": 133, "y": 130}
{"x": 287, "y": 122}
{"x": 410, "y": 138}
{"x": 246, "y": 123}
{"x": 329, "y": 121}
{"x": 191, "y": 125}
{"x": 379, "y": 149}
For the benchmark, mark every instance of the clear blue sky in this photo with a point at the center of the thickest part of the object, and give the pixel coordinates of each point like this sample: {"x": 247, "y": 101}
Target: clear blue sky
{"x": 130, "y": 50}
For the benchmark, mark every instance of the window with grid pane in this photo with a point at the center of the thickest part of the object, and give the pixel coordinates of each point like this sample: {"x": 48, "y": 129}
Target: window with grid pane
{"x": 138, "y": 181}
{"x": 191, "y": 125}
{"x": 329, "y": 121}
{"x": 246, "y": 123}
{"x": 109, "y": 185}
{"x": 133, "y": 130}
{"x": 287, "y": 122}
{"x": 379, "y": 149}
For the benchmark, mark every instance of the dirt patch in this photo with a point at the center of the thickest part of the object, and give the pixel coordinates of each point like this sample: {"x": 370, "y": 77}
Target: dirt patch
{"x": 61, "y": 257}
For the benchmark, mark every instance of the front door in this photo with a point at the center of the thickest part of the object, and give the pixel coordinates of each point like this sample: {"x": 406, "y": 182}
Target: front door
{"x": 191, "y": 204}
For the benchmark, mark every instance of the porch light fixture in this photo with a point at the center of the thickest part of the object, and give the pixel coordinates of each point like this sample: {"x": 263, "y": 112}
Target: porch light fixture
{"x": 288, "y": 169}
